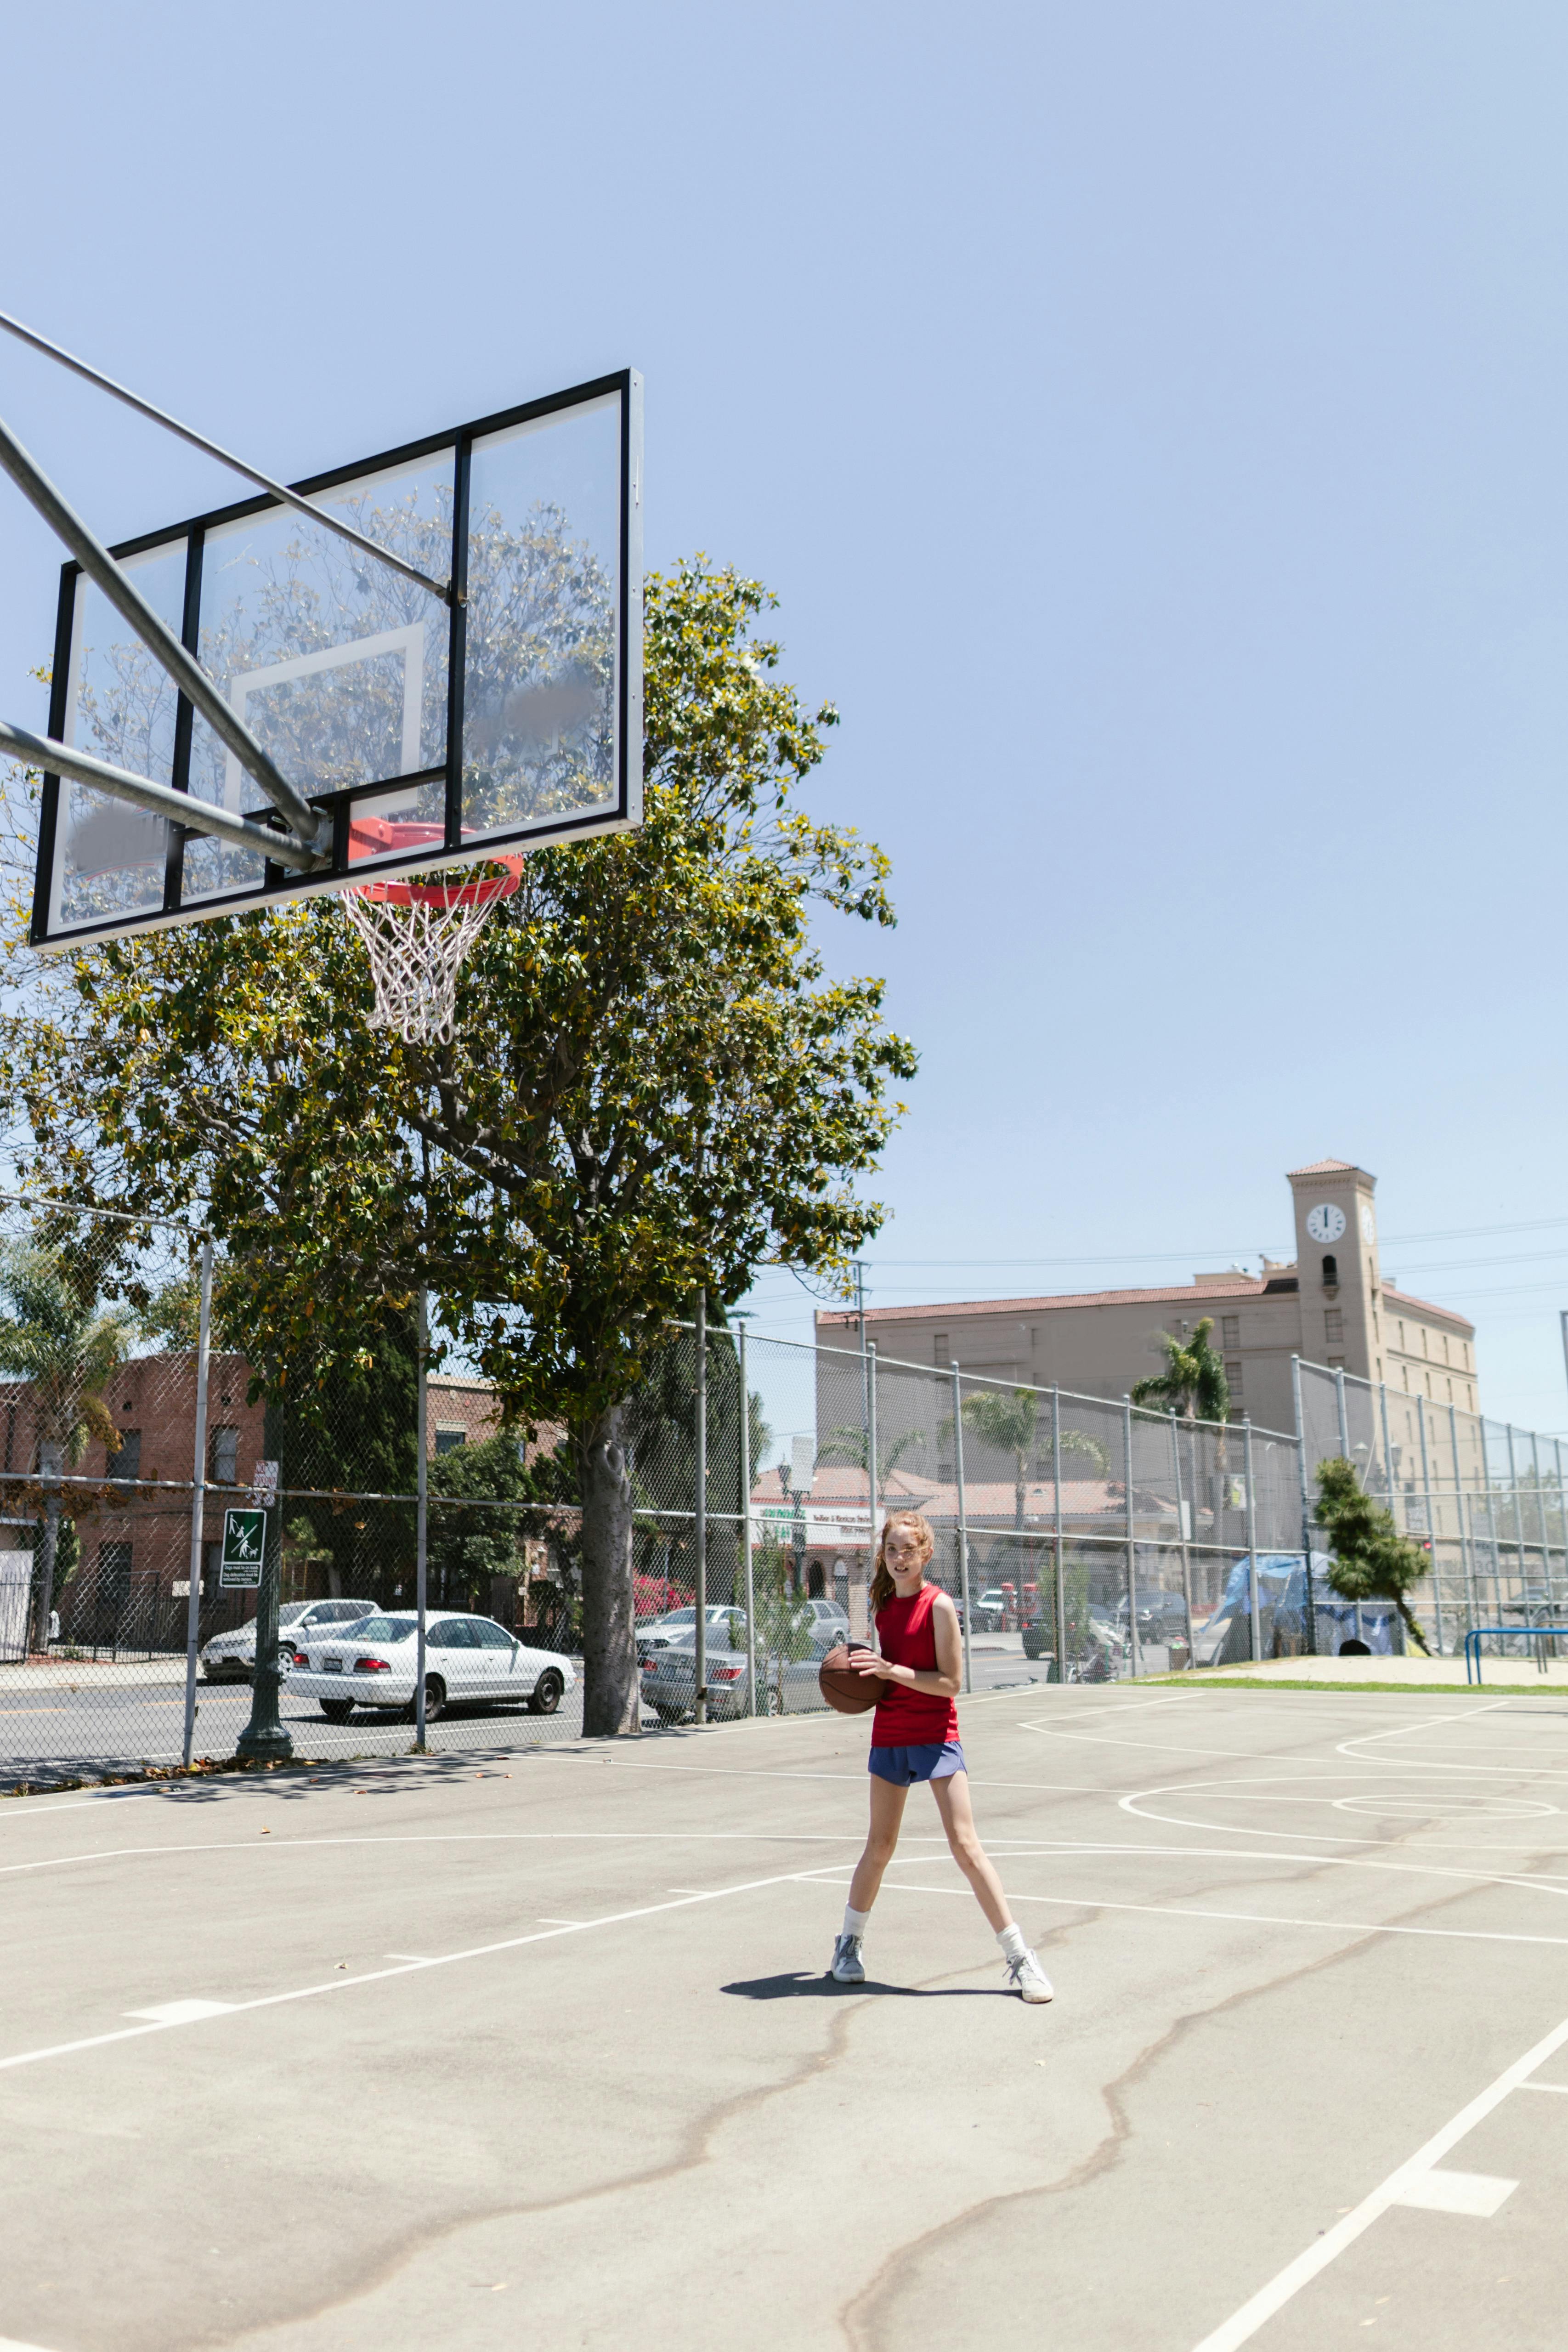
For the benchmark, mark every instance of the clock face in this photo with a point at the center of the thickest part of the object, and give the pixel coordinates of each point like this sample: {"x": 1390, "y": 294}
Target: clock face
{"x": 1325, "y": 1223}
{"x": 1368, "y": 1224}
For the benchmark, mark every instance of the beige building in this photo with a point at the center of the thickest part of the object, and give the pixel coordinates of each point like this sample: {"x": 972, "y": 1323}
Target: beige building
{"x": 1328, "y": 1304}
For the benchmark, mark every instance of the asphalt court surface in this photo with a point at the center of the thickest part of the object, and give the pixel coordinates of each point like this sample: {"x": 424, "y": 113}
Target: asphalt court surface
{"x": 503, "y": 2048}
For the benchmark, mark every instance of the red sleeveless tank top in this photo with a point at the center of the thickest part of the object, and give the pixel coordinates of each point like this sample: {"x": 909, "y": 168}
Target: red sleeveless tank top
{"x": 904, "y": 1718}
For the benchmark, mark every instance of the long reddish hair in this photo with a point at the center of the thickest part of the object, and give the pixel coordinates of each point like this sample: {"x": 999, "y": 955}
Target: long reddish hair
{"x": 882, "y": 1588}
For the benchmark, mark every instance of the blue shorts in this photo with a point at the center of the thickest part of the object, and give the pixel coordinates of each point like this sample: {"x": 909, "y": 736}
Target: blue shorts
{"x": 934, "y": 1759}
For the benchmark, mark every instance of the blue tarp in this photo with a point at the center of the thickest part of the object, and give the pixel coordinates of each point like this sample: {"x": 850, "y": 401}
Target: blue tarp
{"x": 1281, "y": 1610}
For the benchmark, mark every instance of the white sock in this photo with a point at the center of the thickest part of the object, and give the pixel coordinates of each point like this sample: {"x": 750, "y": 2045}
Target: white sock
{"x": 855, "y": 1921}
{"x": 1012, "y": 1941}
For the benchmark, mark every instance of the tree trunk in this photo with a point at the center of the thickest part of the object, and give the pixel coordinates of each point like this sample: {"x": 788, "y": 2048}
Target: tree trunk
{"x": 43, "y": 1580}
{"x": 611, "y": 1699}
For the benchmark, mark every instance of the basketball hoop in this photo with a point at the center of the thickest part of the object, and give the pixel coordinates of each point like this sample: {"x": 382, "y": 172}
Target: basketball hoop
{"x": 417, "y": 935}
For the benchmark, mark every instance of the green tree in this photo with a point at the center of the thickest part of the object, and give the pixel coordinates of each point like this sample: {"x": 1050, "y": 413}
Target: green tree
{"x": 1009, "y": 1421}
{"x": 1193, "y": 1383}
{"x": 655, "y": 1086}
{"x": 67, "y": 1348}
{"x": 1372, "y": 1560}
{"x": 1193, "y": 1386}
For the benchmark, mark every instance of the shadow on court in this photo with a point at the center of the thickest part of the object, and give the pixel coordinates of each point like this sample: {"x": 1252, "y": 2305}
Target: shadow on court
{"x": 800, "y": 1986}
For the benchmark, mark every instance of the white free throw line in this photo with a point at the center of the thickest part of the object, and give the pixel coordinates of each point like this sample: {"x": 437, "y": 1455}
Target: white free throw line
{"x": 1409, "y": 2177}
{"x": 169, "y": 2025}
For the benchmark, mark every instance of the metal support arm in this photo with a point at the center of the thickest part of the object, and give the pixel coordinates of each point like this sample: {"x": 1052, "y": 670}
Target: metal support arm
{"x": 330, "y": 521}
{"x": 160, "y": 640}
{"x": 180, "y": 808}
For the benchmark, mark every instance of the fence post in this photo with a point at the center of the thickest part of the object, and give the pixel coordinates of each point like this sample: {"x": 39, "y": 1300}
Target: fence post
{"x": 1061, "y": 1628}
{"x": 198, "y": 1497}
{"x": 421, "y": 1514}
{"x": 1517, "y": 1525}
{"x": 1388, "y": 1471}
{"x": 1135, "y": 1652}
{"x": 1345, "y": 1453}
{"x": 871, "y": 1454}
{"x": 963, "y": 1520}
{"x": 1181, "y": 1531}
{"x": 1431, "y": 1524}
{"x": 746, "y": 1526}
{"x": 699, "y": 1646}
{"x": 1467, "y": 1539}
{"x": 1312, "y": 1604}
{"x": 1251, "y": 1538}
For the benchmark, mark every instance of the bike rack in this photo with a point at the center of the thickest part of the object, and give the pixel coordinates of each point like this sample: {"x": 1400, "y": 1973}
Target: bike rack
{"x": 1476, "y": 1633}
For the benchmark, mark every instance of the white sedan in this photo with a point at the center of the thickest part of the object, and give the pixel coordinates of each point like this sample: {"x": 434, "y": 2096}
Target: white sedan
{"x": 466, "y": 1659}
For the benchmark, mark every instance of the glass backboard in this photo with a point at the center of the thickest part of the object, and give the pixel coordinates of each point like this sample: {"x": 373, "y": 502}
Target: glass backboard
{"x": 432, "y": 730}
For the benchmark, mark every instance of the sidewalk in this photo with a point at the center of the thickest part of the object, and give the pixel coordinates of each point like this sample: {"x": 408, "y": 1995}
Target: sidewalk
{"x": 93, "y": 1673}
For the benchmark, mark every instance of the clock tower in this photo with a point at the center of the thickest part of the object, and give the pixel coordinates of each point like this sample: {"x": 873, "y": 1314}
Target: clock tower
{"x": 1337, "y": 1265}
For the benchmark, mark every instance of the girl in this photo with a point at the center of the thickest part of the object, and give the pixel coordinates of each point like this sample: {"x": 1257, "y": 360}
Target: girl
{"x": 914, "y": 1736}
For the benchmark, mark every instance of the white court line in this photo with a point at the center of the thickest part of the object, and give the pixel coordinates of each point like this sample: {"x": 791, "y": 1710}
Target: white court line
{"x": 250, "y": 1845}
{"x": 13, "y": 2344}
{"x": 409, "y": 1968}
{"x": 1559, "y": 2090}
{"x": 1244, "y": 2324}
{"x": 1233, "y": 1918}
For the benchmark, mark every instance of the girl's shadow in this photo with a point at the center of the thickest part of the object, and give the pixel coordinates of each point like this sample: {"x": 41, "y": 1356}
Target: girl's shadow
{"x": 798, "y": 1985}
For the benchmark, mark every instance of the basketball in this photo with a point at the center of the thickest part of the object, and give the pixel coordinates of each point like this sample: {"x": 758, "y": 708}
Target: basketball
{"x": 845, "y": 1691}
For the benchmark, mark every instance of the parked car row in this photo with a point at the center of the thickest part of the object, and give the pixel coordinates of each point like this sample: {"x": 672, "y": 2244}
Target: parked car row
{"x": 230, "y": 1657}
{"x": 784, "y": 1685}
{"x": 467, "y": 1659}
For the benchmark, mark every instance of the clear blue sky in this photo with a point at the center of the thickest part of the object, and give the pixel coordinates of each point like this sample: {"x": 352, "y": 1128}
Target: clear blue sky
{"x": 1152, "y": 419}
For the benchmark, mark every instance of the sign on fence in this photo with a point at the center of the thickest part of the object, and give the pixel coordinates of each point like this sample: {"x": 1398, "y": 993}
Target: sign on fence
{"x": 245, "y": 1541}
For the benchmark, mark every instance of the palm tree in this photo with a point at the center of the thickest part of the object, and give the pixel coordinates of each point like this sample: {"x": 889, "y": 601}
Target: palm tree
{"x": 1010, "y": 1424}
{"x": 68, "y": 1350}
{"x": 1193, "y": 1383}
{"x": 847, "y": 1444}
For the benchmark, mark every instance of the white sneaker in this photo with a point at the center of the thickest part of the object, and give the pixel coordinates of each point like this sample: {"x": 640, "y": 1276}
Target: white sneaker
{"x": 846, "y": 1967}
{"x": 1026, "y": 1975}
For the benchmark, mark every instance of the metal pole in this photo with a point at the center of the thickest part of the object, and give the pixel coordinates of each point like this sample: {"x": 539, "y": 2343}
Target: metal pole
{"x": 1541, "y": 1523}
{"x": 1134, "y": 1653}
{"x": 1252, "y": 1538}
{"x": 1431, "y": 1520}
{"x": 1563, "y": 1319}
{"x": 161, "y": 800}
{"x": 198, "y": 1495}
{"x": 1181, "y": 1533}
{"x": 213, "y": 449}
{"x": 1557, "y": 1445}
{"x": 1344, "y": 1451}
{"x": 313, "y": 829}
{"x": 746, "y": 1526}
{"x": 1518, "y": 1524}
{"x": 422, "y": 1513}
{"x": 699, "y": 1650}
{"x": 1466, "y": 1540}
{"x": 1311, "y": 1606}
{"x": 1388, "y": 1474}
{"x": 963, "y": 1521}
{"x": 871, "y": 1445}
{"x": 1060, "y": 1573}
{"x": 1492, "y": 1543}
{"x": 264, "y": 1739}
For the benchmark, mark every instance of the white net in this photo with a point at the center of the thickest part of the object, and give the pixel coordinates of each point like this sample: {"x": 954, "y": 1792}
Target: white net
{"x": 417, "y": 939}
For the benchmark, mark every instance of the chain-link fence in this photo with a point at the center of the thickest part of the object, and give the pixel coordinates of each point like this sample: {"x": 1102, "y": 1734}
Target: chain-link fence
{"x": 1484, "y": 1499}
{"x": 1082, "y": 1538}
